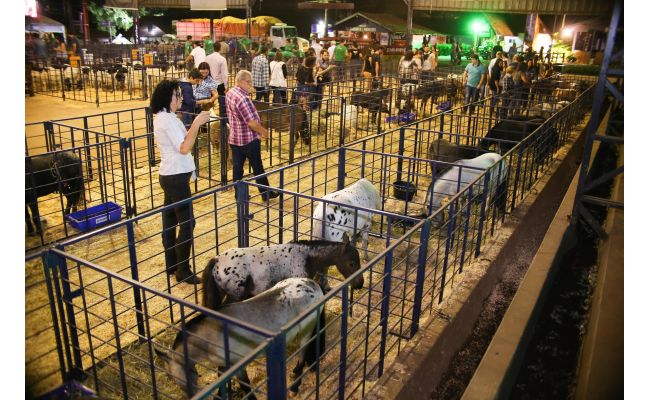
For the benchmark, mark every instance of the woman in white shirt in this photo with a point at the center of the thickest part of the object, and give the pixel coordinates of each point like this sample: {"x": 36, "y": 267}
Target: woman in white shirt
{"x": 176, "y": 168}
{"x": 278, "y": 80}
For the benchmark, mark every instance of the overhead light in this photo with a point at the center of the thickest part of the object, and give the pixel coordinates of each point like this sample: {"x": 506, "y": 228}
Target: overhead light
{"x": 479, "y": 26}
{"x": 567, "y": 32}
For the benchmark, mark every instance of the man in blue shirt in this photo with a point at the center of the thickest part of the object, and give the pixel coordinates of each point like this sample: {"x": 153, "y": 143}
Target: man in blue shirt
{"x": 476, "y": 76}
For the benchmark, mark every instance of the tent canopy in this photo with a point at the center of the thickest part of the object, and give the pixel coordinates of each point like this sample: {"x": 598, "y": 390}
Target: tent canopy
{"x": 259, "y": 25}
{"x": 44, "y": 24}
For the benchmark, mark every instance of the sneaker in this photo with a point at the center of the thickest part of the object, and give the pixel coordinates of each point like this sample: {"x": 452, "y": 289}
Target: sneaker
{"x": 272, "y": 194}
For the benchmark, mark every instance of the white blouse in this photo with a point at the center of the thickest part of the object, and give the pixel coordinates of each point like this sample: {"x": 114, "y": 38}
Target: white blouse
{"x": 169, "y": 133}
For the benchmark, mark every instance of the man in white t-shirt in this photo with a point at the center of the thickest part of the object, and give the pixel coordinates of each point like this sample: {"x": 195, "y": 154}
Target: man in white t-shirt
{"x": 197, "y": 55}
{"x": 330, "y": 50}
{"x": 219, "y": 72}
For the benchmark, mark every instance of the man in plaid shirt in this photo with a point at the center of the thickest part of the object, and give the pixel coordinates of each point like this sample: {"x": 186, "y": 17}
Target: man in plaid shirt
{"x": 246, "y": 132}
{"x": 261, "y": 72}
{"x": 508, "y": 85}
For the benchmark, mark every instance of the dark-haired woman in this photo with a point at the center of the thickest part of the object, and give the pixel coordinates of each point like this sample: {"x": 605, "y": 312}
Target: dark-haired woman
{"x": 205, "y": 91}
{"x": 368, "y": 69}
{"x": 176, "y": 169}
{"x": 306, "y": 82}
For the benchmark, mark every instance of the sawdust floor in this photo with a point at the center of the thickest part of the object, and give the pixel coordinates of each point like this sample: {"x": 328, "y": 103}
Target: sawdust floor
{"x": 111, "y": 251}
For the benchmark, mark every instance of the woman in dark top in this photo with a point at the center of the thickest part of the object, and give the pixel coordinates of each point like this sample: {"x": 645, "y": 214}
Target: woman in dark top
{"x": 368, "y": 71}
{"x": 495, "y": 77}
{"x": 521, "y": 86}
{"x": 494, "y": 82}
{"x": 306, "y": 82}
{"x": 355, "y": 61}
{"x": 533, "y": 69}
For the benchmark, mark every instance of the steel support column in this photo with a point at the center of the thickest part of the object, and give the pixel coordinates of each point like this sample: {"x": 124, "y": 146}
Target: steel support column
{"x": 604, "y": 89}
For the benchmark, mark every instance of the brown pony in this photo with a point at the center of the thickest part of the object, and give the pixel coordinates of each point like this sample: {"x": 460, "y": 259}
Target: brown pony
{"x": 274, "y": 118}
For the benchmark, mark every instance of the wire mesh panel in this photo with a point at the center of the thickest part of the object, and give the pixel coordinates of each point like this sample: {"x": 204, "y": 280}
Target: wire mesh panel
{"x": 97, "y": 83}
{"x": 64, "y": 181}
{"x": 259, "y": 223}
{"x": 44, "y": 366}
{"x": 63, "y": 133}
{"x": 127, "y": 340}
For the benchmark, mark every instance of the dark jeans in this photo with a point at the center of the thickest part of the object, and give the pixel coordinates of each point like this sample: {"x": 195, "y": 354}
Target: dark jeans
{"x": 261, "y": 92}
{"x": 505, "y": 105}
{"x": 318, "y": 96}
{"x": 471, "y": 95}
{"x": 304, "y": 91}
{"x": 177, "y": 248}
{"x": 221, "y": 91}
{"x": 493, "y": 99}
{"x": 339, "y": 71}
{"x": 253, "y": 152}
{"x": 279, "y": 95}
{"x": 355, "y": 68}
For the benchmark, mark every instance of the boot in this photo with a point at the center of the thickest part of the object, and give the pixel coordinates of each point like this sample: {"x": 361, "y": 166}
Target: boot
{"x": 185, "y": 275}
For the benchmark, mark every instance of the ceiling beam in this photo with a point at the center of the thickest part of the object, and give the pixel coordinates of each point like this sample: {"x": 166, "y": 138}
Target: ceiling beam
{"x": 552, "y": 7}
{"x": 313, "y": 5}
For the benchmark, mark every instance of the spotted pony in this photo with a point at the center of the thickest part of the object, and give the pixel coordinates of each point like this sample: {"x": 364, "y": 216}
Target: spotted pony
{"x": 203, "y": 336}
{"x": 340, "y": 221}
{"x": 241, "y": 273}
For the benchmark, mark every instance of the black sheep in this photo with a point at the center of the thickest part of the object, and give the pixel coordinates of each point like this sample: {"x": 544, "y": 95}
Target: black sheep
{"x": 49, "y": 173}
{"x": 373, "y": 101}
{"x": 511, "y": 132}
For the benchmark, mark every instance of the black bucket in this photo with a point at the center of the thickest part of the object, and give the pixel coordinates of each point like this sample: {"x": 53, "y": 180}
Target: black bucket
{"x": 404, "y": 190}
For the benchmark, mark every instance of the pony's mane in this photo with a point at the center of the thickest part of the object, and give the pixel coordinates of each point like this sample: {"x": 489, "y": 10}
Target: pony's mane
{"x": 188, "y": 325}
{"x": 314, "y": 242}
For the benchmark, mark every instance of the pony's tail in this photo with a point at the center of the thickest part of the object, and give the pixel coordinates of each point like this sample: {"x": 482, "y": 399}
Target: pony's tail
{"x": 211, "y": 293}
{"x": 311, "y": 353}
{"x": 314, "y": 350}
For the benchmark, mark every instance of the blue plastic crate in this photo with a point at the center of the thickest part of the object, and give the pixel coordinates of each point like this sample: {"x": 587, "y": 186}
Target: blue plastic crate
{"x": 406, "y": 117}
{"x": 95, "y": 216}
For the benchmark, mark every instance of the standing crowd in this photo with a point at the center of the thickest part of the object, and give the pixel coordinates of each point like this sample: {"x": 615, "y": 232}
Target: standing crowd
{"x": 508, "y": 73}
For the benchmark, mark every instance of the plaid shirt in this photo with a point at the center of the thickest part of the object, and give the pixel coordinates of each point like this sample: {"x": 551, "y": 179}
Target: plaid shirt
{"x": 240, "y": 110}
{"x": 204, "y": 89}
{"x": 260, "y": 71}
{"x": 508, "y": 83}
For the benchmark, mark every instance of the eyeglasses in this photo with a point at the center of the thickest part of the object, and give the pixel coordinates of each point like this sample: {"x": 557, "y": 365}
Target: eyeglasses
{"x": 179, "y": 95}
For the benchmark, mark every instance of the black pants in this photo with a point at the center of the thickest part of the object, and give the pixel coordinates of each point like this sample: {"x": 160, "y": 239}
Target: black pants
{"x": 253, "y": 152}
{"x": 279, "y": 95}
{"x": 261, "y": 92}
{"x": 177, "y": 248}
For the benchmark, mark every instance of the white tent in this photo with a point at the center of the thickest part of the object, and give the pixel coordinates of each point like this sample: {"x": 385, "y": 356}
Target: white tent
{"x": 44, "y": 24}
{"x": 119, "y": 39}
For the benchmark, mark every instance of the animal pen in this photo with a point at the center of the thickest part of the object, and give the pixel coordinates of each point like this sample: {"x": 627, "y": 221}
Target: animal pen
{"x": 119, "y": 157}
{"x": 101, "y": 304}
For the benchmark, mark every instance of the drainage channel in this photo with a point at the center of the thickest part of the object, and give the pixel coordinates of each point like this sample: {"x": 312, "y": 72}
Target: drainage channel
{"x": 549, "y": 366}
